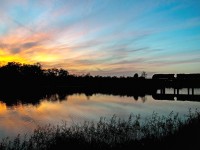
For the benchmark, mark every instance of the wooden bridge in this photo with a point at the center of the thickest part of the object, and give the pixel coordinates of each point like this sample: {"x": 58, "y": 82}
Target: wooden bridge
{"x": 175, "y": 94}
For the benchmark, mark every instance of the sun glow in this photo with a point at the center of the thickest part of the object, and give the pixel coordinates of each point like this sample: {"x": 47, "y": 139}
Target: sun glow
{"x": 14, "y": 58}
{"x": 96, "y": 42}
{"x": 45, "y": 58}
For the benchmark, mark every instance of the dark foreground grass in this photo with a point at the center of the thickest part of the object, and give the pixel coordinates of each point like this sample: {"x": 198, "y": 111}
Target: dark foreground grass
{"x": 157, "y": 132}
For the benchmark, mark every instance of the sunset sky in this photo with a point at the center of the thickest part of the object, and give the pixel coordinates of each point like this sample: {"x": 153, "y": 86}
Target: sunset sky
{"x": 102, "y": 37}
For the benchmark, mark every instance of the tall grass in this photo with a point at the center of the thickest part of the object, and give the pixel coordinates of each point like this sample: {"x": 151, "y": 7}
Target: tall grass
{"x": 114, "y": 133}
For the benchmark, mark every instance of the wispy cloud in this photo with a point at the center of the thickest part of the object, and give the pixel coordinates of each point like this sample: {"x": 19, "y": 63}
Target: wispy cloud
{"x": 101, "y": 37}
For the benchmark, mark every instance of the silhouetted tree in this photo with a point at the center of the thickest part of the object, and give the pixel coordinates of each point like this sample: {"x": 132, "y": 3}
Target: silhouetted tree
{"x": 143, "y": 74}
{"x": 63, "y": 73}
{"x": 18, "y": 75}
{"x": 135, "y": 76}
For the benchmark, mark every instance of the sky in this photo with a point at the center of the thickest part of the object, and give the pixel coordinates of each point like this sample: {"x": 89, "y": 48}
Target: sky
{"x": 102, "y": 37}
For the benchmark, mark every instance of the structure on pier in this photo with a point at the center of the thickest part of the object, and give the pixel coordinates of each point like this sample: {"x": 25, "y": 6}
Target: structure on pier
{"x": 190, "y": 95}
{"x": 176, "y": 82}
{"x": 191, "y": 76}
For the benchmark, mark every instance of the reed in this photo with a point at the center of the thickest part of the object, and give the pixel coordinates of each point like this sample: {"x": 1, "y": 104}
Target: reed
{"x": 114, "y": 133}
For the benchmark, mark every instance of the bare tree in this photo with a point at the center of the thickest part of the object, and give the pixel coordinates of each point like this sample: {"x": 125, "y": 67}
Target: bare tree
{"x": 143, "y": 74}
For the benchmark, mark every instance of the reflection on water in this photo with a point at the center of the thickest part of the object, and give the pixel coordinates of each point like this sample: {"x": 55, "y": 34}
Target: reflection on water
{"x": 184, "y": 91}
{"x": 23, "y": 118}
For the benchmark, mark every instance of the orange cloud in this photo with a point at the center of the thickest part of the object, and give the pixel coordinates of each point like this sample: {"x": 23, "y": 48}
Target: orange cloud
{"x": 23, "y": 47}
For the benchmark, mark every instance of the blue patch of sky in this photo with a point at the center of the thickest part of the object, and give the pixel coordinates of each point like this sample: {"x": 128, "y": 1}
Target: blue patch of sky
{"x": 3, "y": 29}
{"x": 173, "y": 37}
{"x": 25, "y": 15}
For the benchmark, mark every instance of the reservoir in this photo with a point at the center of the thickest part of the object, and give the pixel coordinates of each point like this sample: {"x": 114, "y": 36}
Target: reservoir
{"x": 23, "y": 118}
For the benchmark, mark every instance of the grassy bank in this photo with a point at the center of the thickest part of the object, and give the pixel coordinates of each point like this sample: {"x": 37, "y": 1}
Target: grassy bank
{"x": 155, "y": 132}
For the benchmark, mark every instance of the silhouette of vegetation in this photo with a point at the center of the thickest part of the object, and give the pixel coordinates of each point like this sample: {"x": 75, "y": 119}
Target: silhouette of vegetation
{"x": 157, "y": 132}
{"x": 135, "y": 76}
{"x": 143, "y": 74}
{"x": 21, "y": 81}
{"x": 30, "y": 83}
{"x": 25, "y": 75}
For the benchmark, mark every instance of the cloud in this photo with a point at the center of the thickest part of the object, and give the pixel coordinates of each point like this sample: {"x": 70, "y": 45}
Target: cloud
{"x": 18, "y": 48}
{"x": 99, "y": 37}
{"x": 15, "y": 50}
{"x": 30, "y": 45}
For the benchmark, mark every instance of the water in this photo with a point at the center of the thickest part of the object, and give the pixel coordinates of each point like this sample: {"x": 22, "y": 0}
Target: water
{"x": 76, "y": 108}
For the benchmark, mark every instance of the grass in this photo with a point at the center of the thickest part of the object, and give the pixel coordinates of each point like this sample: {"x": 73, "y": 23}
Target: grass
{"x": 158, "y": 132}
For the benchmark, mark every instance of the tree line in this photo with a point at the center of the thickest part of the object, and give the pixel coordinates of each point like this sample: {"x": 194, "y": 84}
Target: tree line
{"x": 17, "y": 73}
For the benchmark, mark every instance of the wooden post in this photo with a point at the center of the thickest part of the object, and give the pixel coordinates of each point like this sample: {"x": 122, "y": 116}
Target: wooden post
{"x": 192, "y": 91}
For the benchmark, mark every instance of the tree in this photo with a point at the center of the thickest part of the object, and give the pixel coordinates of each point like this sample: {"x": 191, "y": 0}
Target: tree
{"x": 63, "y": 73}
{"x": 135, "y": 76}
{"x": 143, "y": 74}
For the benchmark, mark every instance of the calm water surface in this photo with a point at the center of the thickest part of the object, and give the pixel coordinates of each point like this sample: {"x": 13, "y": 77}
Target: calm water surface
{"x": 24, "y": 118}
